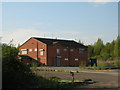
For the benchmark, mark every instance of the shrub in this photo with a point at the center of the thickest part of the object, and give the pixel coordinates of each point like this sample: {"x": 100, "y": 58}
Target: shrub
{"x": 16, "y": 74}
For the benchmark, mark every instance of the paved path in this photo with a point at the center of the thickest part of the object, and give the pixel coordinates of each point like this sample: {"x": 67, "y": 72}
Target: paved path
{"x": 105, "y": 79}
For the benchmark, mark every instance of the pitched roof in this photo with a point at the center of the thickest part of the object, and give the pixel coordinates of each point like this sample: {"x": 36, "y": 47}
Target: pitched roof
{"x": 66, "y": 43}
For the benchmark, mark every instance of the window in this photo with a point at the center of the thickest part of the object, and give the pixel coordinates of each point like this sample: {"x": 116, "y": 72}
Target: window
{"x": 66, "y": 58}
{"x": 76, "y": 59}
{"x": 30, "y": 50}
{"x": 81, "y": 50}
{"x": 58, "y": 51}
{"x": 41, "y": 52}
{"x": 24, "y": 51}
{"x": 65, "y": 49}
{"x": 71, "y": 50}
{"x": 35, "y": 49}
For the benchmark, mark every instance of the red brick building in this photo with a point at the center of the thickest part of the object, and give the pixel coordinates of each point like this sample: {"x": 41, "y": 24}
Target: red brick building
{"x": 54, "y": 52}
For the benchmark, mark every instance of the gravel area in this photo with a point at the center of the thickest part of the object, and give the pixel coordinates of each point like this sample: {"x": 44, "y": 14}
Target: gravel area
{"x": 103, "y": 79}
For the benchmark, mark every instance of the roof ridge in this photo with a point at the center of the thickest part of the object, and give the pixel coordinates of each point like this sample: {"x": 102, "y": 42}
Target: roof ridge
{"x": 53, "y": 39}
{"x": 50, "y": 41}
{"x": 63, "y": 42}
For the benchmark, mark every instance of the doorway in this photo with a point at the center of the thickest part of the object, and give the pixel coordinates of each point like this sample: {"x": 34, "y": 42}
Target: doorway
{"x": 58, "y": 63}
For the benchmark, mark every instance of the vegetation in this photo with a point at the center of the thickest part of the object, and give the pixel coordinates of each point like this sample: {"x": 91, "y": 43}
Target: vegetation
{"x": 108, "y": 51}
{"x": 103, "y": 65}
{"x": 17, "y": 74}
{"x": 107, "y": 55}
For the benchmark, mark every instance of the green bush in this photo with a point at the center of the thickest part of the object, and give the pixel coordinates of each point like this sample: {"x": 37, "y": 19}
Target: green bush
{"x": 33, "y": 65}
{"x": 16, "y": 74}
{"x": 56, "y": 79}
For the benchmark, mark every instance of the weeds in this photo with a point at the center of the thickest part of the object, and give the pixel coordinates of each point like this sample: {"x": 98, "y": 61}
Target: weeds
{"x": 103, "y": 65}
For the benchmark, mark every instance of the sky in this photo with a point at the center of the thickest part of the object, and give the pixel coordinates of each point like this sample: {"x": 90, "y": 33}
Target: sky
{"x": 85, "y": 21}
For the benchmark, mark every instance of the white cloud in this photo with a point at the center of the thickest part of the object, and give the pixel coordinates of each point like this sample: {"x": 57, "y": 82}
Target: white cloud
{"x": 19, "y": 36}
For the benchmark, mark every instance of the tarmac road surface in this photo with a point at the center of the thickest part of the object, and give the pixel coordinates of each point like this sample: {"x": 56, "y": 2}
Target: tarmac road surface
{"x": 103, "y": 79}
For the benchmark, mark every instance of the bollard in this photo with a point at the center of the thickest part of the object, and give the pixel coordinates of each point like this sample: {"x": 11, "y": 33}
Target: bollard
{"x": 72, "y": 74}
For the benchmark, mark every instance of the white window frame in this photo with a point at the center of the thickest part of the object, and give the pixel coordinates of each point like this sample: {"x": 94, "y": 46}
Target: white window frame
{"x": 41, "y": 52}
{"x": 35, "y": 49}
{"x": 65, "y": 49}
{"x": 58, "y": 51}
{"x": 24, "y": 51}
{"x": 76, "y": 59}
{"x": 66, "y": 59}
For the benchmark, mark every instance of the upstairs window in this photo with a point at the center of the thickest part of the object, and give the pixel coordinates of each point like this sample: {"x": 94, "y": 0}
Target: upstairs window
{"x": 41, "y": 52}
{"x": 71, "y": 50}
{"x": 81, "y": 50}
{"x": 58, "y": 51}
{"x": 24, "y": 51}
{"x": 65, "y": 49}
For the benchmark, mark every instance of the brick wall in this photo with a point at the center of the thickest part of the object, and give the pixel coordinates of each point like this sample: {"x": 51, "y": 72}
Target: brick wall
{"x": 34, "y": 44}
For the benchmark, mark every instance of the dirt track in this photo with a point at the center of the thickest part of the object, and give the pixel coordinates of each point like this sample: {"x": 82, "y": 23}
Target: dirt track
{"x": 102, "y": 79}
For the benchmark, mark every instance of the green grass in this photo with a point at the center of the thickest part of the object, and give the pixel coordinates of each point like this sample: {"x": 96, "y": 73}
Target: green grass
{"x": 68, "y": 84}
{"x": 55, "y": 82}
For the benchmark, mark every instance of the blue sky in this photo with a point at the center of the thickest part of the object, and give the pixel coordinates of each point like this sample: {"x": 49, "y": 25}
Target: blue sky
{"x": 86, "y": 21}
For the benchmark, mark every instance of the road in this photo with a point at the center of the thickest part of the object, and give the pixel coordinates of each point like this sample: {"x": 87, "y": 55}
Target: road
{"x": 103, "y": 79}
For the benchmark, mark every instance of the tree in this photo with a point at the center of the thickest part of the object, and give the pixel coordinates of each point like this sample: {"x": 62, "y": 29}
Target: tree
{"x": 9, "y": 51}
{"x": 90, "y": 51}
{"x": 112, "y": 48}
{"x": 98, "y": 47}
{"x": 105, "y": 53}
{"x": 15, "y": 73}
{"x": 116, "y": 47}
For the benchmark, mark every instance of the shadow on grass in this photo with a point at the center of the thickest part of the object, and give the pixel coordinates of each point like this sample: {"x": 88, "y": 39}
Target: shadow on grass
{"x": 58, "y": 84}
{"x": 69, "y": 85}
